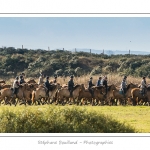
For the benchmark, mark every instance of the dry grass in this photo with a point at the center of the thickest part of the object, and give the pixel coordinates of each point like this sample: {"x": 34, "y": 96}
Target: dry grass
{"x": 112, "y": 79}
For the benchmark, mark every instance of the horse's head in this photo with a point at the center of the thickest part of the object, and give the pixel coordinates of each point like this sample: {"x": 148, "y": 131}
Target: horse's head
{"x": 82, "y": 87}
{"x": 31, "y": 81}
{"x": 111, "y": 87}
{"x": 2, "y": 81}
{"x": 131, "y": 85}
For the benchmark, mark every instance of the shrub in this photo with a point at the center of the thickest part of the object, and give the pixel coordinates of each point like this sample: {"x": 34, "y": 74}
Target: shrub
{"x": 54, "y": 119}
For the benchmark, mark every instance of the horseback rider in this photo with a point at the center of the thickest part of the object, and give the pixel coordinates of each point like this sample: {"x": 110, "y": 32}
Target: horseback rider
{"x": 104, "y": 83}
{"x": 55, "y": 79}
{"x": 48, "y": 86}
{"x": 90, "y": 87}
{"x": 15, "y": 86}
{"x": 99, "y": 83}
{"x": 23, "y": 75}
{"x": 21, "y": 81}
{"x": 41, "y": 78}
{"x": 143, "y": 86}
{"x": 124, "y": 85}
{"x": 71, "y": 85}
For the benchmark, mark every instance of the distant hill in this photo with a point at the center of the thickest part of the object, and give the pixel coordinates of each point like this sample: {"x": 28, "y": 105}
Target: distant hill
{"x": 113, "y": 52}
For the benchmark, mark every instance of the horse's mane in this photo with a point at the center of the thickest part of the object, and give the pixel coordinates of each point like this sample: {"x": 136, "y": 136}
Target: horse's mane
{"x": 109, "y": 87}
{"x": 98, "y": 87}
{"x": 76, "y": 86}
{"x": 31, "y": 80}
{"x": 128, "y": 86}
{"x": 148, "y": 88}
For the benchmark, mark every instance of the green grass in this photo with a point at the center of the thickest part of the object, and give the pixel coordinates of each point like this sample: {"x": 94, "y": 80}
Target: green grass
{"x": 74, "y": 119}
{"x": 137, "y": 117}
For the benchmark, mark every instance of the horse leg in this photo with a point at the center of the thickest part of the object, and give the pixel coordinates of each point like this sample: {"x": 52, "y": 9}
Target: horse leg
{"x": 134, "y": 102}
{"x": 92, "y": 101}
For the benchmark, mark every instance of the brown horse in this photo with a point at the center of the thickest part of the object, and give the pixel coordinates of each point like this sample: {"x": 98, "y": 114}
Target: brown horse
{"x": 148, "y": 95}
{"x": 124, "y": 98}
{"x": 64, "y": 94}
{"x": 86, "y": 95}
{"x": 40, "y": 93}
{"x": 110, "y": 100}
{"x": 31, "y": 81}
{"x": 5, "y": 86}
{"x": 128, "y": 93}
{"x": 2, "y": 81}
{"x": 11, "y": 98}
{"x": 137, "y": 97}
{"x": 53, "y": 92}
{"x": 115, "y": 95}
{"x": 27, "y": 93}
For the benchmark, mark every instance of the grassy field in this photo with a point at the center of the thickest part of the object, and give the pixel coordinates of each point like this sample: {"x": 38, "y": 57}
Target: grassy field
{"x": 74, "y": 119}
{"x": 138, "y": 117}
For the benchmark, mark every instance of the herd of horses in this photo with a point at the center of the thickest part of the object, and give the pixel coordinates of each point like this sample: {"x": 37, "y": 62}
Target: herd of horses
{"x": 30, "y": 93}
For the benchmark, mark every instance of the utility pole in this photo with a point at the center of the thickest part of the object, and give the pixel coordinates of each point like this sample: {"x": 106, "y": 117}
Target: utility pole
{"x": 103, "y": 51}
{"x": 22, "y": 46}
{"x": 129, "y": 47}
{"x": 90, "y": 51}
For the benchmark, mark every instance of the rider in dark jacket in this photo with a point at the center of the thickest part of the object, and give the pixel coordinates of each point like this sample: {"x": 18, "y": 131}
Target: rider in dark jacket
{"x": 105, "y": 84}
{"x": 71, "y": 85}
{"x": 90, "y": 87}
{"x": 55, "y": 80}
{"x": 48, "y": 85}
{"x": 21, "y": 81}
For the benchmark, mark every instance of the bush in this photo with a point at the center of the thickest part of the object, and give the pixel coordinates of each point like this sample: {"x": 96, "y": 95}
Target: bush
{"x": 48, "y": 119}
{"x": 96, "y": 70}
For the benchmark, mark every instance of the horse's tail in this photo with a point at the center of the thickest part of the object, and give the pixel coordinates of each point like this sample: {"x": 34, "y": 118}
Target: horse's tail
{"x": 132, "y": 95}
{"x": 0, "y": 95}
{"x": 33, "y": 97}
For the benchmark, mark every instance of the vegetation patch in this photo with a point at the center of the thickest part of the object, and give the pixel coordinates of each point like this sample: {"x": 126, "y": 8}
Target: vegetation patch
{"x": 57, "y": 119}
{"x": 65, "y": 63}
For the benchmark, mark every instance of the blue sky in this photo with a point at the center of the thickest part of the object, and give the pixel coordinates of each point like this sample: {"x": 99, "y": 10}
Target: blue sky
{"x": 108, "y": 33}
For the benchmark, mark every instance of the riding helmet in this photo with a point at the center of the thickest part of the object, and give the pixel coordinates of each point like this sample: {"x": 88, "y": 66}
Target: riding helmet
{"x": 71, "y": 76}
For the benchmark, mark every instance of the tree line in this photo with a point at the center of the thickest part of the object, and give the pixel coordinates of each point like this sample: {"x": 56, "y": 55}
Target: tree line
{"x": 64, "y": 63}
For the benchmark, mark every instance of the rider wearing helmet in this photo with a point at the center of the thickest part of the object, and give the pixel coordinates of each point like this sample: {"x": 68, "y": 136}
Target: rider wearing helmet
{"x": 143, "y": 86}
{"x": 124, "y": 85}
{"x": 90, "y": 87}
{"x": 21, "y": 79}
{"x": 71, "y": 85}
{"x": 99, "y": 83}
{"x": 15, "y": 85}
{"x": 55, "y": 79}
{"x": 104, "y": 83}
{"x": 41, "y": 78}
{"x": 47, "y": 85}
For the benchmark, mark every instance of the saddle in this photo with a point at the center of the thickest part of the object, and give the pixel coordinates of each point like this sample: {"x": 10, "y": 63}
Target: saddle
{"x": 142, "y": 92}
{"x": 86, "y": 90}
{"x": 121, "y": 92}
{"x": 65, "y": 86}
